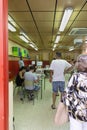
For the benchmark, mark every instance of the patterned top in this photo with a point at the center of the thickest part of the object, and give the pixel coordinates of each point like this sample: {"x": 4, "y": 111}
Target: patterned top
{"x": 75, "y": 96}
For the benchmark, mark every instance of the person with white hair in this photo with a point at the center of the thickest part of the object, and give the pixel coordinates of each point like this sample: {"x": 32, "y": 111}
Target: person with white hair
{"x": 75, "y": 95}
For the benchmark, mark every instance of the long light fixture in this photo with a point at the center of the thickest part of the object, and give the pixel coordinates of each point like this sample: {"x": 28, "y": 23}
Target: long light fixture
{"x": 11, "y": 28}
{"x": 67, "y": 13}
{"x": 33, "y": 46}
{"x": 10, "y": 19}
{"x": 57, "y": 39}
{"x": 71, "y": 48}
{"x": 54, "y": 47}
{"x": 22, "y": 33}
{"x": 23, "y": 38}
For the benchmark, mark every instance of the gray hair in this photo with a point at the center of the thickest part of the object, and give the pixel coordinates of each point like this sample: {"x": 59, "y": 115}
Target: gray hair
{"x": 81, "y": 63}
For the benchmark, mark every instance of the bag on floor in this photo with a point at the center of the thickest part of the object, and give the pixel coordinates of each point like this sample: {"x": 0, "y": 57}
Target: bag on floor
{"x": 61, "y": 116}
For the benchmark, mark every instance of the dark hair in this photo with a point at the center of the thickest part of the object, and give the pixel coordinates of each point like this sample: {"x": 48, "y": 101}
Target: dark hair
{"x": 27, "y": 68}
{"x": 32, "y": 67}
{"x": 22, "y": 68}
{"x": 58, "y": 54}
{"x": 81, "y": 63}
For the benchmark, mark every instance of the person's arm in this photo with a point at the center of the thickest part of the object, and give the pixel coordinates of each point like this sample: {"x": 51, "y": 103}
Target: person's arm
{"x": 36, "y": 78}
{"x": 21, "y": 75}
{"x": 51, "y": 75}
{"x": 69, "y": 69}
{"x": 51, "y": 71}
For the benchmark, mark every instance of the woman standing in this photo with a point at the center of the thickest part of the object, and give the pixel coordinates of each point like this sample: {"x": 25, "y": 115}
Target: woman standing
{"x": 75, "y": 96}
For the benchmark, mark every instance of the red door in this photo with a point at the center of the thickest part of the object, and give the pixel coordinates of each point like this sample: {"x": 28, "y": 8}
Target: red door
{"x": 3, "y": 65}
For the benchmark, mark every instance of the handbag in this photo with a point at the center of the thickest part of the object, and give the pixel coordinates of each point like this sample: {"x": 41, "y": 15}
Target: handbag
{"x": 61, "y": 116}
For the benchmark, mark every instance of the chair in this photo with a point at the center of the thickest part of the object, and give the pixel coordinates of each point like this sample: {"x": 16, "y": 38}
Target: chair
{"x": 20, "y": 88}
{"x": 28, "y": 92}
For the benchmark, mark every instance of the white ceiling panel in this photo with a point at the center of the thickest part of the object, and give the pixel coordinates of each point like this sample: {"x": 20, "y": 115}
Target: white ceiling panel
{"x": 43, "y": 16}
{"x": 21, "y": 16}
{"x": 82, "y": 16}
{"x": 17, "y": 5}
{"x": 75, "y": 4}
{"x": 42, "y": 5}
{"x": 29, "y": 27}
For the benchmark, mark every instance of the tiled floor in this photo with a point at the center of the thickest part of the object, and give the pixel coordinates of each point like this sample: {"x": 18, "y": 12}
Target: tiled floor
{"x": 39, "y": 116}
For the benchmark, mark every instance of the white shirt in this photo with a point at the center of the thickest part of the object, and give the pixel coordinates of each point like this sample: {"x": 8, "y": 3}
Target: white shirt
{"x": 21, "y": 63}
{"x": 58, "y": 66}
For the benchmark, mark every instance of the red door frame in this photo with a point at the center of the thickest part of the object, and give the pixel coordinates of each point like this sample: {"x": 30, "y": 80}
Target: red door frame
{"x": 4, "y": 65}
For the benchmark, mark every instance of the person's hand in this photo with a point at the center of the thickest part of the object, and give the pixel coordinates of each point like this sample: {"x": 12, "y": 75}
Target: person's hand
{"x": 50, "y": 79}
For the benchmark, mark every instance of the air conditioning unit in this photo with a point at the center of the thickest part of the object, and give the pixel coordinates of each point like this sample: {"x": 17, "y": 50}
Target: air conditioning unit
{"x": 78, "y": 31}
{"x": 78, "y": 41}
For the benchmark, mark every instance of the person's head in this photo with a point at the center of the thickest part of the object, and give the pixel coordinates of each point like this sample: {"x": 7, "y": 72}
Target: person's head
{"x": 81, "y": 63}
{"x": 23, "y": 69}
{"x": 84, "y": 48}
{"x": 27, "y": 68}
{"x": 20, "y": 57}
{"x": 32, "y": 68}
{"x": 58, "y": 55}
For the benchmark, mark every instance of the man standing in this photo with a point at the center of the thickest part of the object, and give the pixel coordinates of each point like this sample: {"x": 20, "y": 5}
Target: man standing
{"x": 57, "y": 69}
{"x": 21, "y": 62}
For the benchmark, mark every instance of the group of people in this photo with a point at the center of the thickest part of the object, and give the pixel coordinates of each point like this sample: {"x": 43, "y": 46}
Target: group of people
{"x": 27, "y": 79}
{"x": 75, "y": 94}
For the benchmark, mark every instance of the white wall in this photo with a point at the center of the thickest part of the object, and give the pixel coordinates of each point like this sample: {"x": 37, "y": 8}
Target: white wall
{"x": 11, "y": 105}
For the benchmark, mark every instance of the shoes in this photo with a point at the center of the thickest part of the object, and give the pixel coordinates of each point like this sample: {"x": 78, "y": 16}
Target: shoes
{"x": 31, "y": 97}
{"x": 57, "y": 94}
{"x": 53, "y": 107}
{"x": 21, "y": 99}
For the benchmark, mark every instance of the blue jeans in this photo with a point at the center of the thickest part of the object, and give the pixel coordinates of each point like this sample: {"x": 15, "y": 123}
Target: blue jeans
{"x": 36, "y": 88}
{"x": 58, "y": 85}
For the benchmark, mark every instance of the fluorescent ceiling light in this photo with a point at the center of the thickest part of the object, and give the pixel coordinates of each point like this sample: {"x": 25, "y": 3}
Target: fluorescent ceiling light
{"x": 65, "y": 19}
{"x": 36, "y": 49}
{"x": 57, "y": 39}
{"x": 55, "y": 45}
{"x": 10, "y": 19}
{"x": 24, "y": 39}
{"x": 53, "y": 49}
{"x": 22, "y": 33}
{"x": 71, "y": 48}
{"x": 11, "y": 28}
{"x": 31, "y": 45}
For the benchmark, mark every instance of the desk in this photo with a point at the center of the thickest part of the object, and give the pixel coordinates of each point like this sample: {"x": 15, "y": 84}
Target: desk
{"x": 41, "y": 78}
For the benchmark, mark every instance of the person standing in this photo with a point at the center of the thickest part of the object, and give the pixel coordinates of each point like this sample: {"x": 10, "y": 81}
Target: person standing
{"x": 57, "y": 68}
{"x": 21, "y": 62}
{"x": 75, "y": 95}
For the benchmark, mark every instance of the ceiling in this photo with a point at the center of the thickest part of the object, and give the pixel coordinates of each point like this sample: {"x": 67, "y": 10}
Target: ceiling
{"x": 40, "y": 20}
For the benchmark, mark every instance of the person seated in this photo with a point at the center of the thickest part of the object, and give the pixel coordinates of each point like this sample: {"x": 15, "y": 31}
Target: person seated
{"x": 20, "y": 80}
{"x": 30, "y": 78}
{"x": 20, "y": 76}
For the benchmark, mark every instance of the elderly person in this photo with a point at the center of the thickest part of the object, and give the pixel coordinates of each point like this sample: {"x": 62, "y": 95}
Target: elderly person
{"x": 75, "y": 96}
